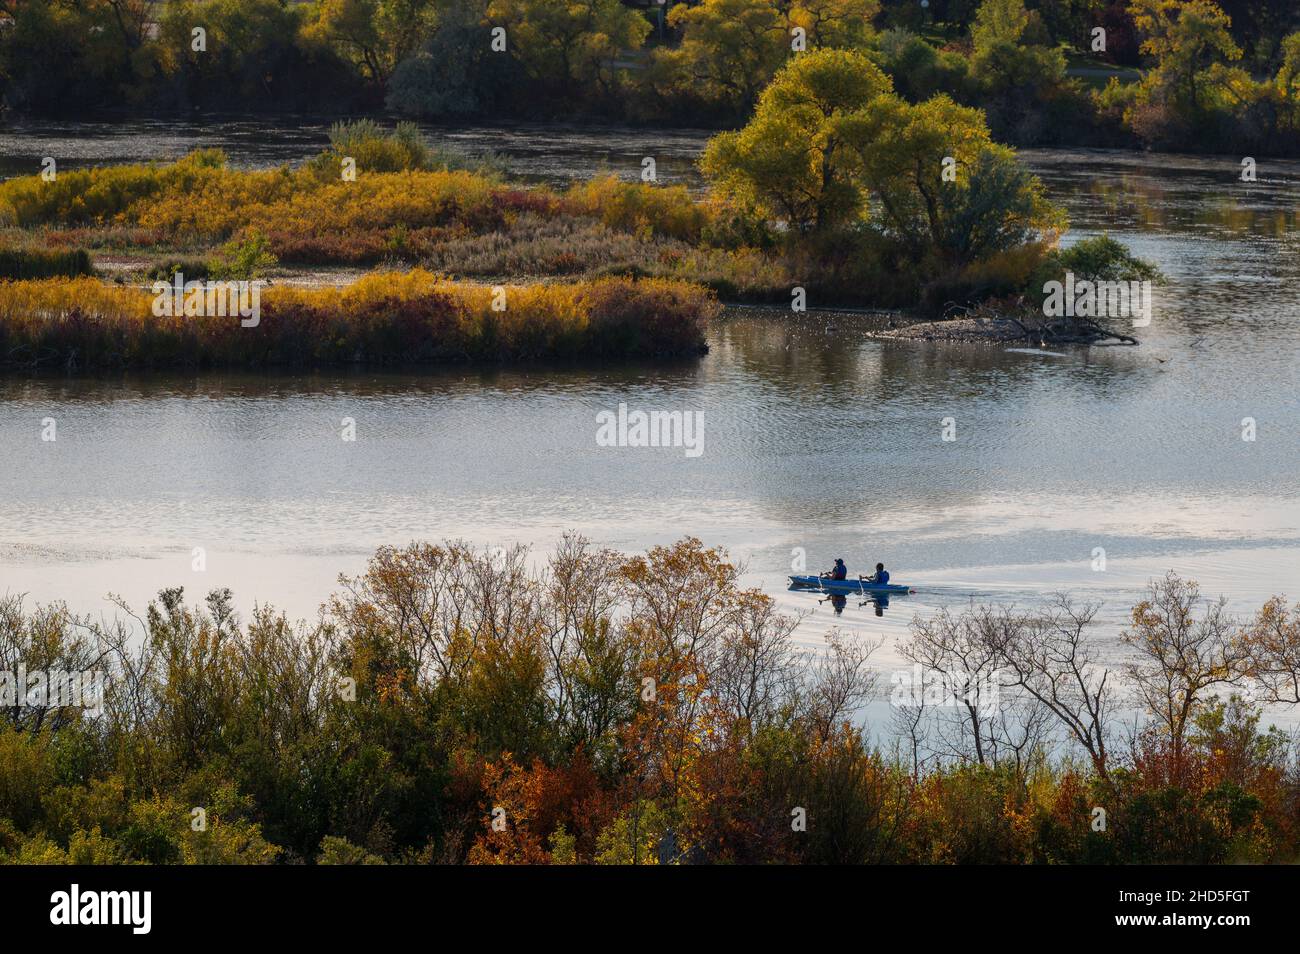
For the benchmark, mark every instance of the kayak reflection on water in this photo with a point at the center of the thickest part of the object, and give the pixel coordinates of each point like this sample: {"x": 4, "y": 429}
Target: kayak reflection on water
{"x": 881, "y": 603}
{"x": 838, "y": 601}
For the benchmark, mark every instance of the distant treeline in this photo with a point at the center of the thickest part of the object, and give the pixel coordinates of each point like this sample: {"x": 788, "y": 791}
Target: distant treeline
{"x": 450, "y": 705}
{"x": 1214, "y": 75}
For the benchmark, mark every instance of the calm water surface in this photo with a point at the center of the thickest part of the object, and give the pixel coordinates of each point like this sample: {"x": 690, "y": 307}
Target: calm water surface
{"x": 815, "y": 440}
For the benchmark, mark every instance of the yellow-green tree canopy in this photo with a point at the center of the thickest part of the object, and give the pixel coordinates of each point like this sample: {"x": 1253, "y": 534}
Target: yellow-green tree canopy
{"x": 242, "y": 37}
{"x": 844, "y": 24}
{"x": 731, "y": 49}
{"x": 1288, "y": 74}
{"x": 568, "y": 43}
{"x": 374, "y": 34}
{"x": 832, "y": 145}
{"x": 1005, "y": 55}
{"x": 791, "y": 161}
{"x": 1186, "y": 38}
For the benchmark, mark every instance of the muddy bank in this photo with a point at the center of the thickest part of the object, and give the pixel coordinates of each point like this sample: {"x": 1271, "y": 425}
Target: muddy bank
{"x": 1005, "y": 330}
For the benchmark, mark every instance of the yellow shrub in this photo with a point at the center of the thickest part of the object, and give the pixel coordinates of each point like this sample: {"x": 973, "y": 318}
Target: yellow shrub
{"x": 640, "y": 208}
{"x": 101, "y": 194}
{"x": 286, "y": 201}
{"x": 383, "y": 318}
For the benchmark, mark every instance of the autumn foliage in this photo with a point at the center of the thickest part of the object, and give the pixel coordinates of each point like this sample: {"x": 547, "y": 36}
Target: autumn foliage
{"x": 385, "y": 318}
{"x": 457, "y": 706}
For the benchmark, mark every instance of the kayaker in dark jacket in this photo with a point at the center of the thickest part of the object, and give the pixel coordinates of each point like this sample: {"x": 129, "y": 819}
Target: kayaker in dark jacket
{"x": 839, "y": 571}
{"x": 880, "y": 577}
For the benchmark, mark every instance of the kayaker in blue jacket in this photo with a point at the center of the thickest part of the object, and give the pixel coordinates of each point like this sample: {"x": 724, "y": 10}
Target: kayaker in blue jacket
{"x": 880, "y": 577}
{"x": 839, "y": 571}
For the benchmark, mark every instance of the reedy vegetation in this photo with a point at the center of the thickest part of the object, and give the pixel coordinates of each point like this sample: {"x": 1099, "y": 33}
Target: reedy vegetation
{"x": 636, "y": 709}
{"x": 399, "y": 318}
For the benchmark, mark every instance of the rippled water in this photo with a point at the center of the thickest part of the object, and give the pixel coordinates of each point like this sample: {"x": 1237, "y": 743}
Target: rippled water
{"x": 542, "y": 152}
{"x": 815, "y": 439}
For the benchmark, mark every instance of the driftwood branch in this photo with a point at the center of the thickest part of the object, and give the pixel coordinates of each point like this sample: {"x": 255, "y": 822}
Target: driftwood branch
{"x": 1055, "y": 331}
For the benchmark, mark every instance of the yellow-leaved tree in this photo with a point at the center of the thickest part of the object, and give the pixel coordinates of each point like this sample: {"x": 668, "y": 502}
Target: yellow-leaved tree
{"x": 832, "y": 146}
{"x": 731, "y": 49}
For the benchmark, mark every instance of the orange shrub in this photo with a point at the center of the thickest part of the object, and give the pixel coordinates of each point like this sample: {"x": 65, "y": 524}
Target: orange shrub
{"x": 640, "y": 208}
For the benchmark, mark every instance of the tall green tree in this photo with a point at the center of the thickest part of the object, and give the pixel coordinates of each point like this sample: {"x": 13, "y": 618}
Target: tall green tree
{"x": 253, "y": 52}
{"x": 943, "y": 187}
{"x": 1185, "y": 39}
{"x": 1006, "y": 54}
{"x": 569, "y": 46}
{"x": 846, "y": 24}
{"x": 64, "y": 57}
{"x": 731, "y": 49}
{"x": 831, "y": 145}
{"x": 792, "y": 160}
{"x": 375, "y": 35}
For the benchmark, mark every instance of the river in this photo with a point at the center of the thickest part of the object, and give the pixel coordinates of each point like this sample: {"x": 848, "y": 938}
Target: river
{"x": 818, "y": 443}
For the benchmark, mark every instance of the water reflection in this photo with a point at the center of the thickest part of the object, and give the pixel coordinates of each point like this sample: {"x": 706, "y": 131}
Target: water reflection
{"x": 839, "y": 601}
{"x": 538, "y": 152}
{"x": 1170, "y": 193}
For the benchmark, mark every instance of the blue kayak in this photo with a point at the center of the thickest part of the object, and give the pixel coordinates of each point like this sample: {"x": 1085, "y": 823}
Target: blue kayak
{"x": 827, "y": 585}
